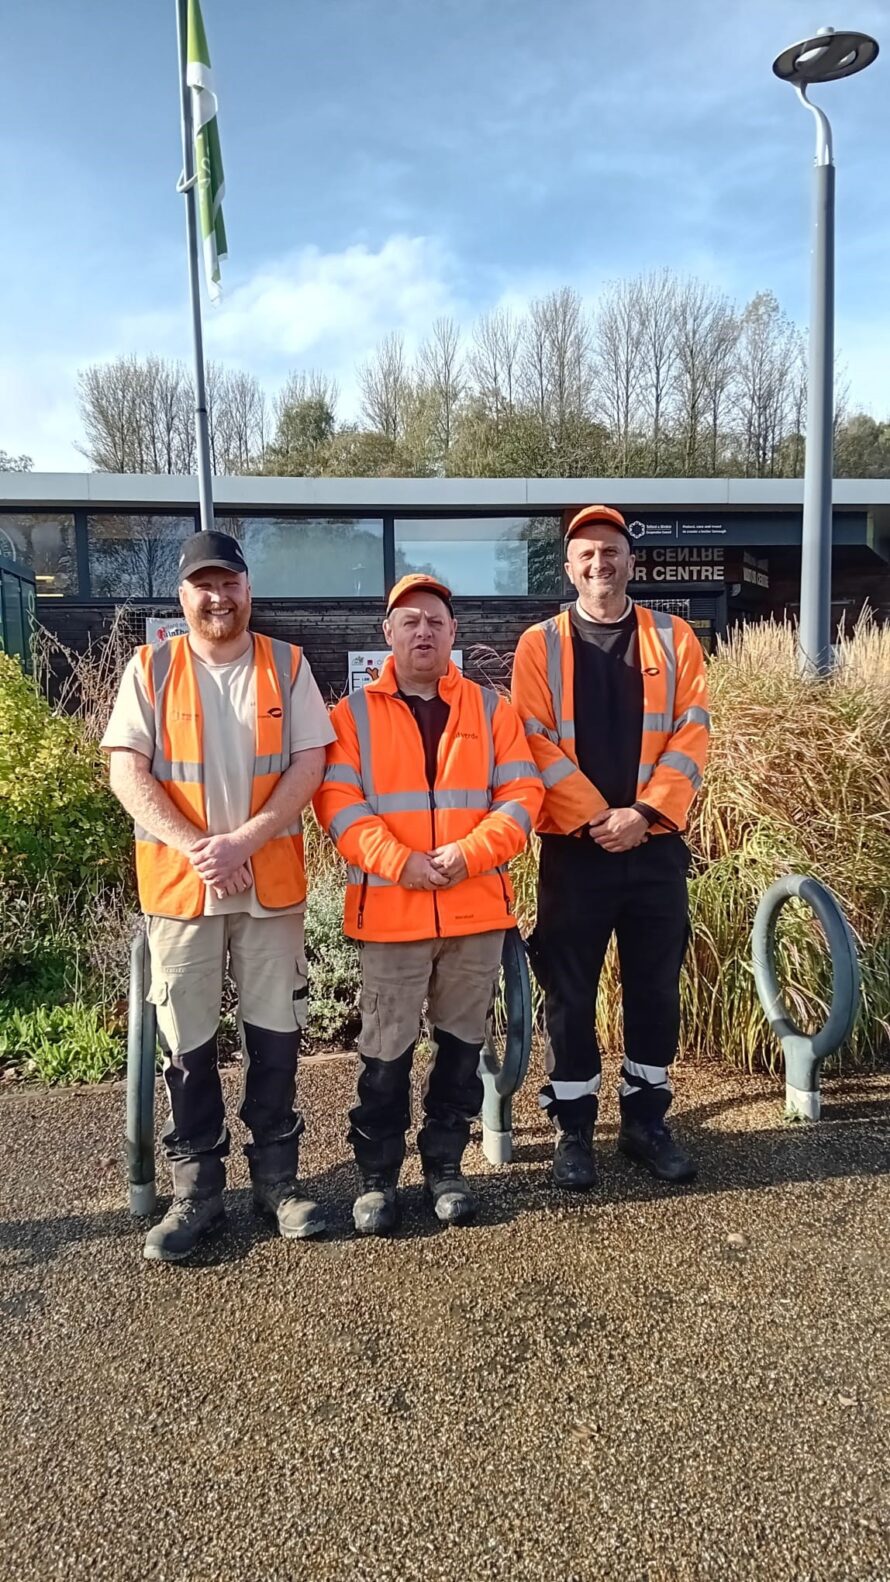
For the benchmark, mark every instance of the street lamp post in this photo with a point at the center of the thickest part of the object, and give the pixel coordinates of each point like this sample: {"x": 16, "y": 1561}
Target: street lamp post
{"x": 825, "y": 58}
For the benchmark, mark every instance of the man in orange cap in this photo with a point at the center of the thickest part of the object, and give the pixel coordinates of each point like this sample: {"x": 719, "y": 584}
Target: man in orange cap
{"x": 429, "y": 791}
{"x": 614, "y": 700}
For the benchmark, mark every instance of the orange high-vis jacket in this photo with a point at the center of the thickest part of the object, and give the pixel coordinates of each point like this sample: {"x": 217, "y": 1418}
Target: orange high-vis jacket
{"x": 378, "y": 807}
{"x": 168, "y": 884}
{"x": 676, "y": 722}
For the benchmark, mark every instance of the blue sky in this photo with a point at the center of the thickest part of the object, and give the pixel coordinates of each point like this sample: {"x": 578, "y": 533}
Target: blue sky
{"x": 391, "y": 160}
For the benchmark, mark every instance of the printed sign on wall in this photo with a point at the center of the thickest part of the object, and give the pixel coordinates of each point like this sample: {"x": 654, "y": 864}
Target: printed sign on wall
{"x": 157, "y": 630}
{"x": 366, "y": 666}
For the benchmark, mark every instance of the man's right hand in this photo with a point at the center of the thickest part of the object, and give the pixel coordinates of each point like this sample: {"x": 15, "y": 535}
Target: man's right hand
{"x": 419, "y": 873}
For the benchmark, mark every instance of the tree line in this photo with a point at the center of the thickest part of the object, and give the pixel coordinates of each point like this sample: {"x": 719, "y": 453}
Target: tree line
{"x": 665, "y": 376}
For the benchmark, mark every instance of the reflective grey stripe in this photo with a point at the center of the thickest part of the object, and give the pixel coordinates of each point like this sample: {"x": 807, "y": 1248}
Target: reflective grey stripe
{"x": 175, "y": 769}
{"x": 479, "y": 800}
{"x": 535, "y": 728}
{"x": 400, "y": 802}
{"x": 554, "y": 665}
{"x": 693, "y": 716}
{"x": 357, "y": 704}
{"x": 271, "y": 764}
{"x": 517, "y": 769}
{"x": 664, "y": 626}
{"x": 684, "y": 765}
{"x": 143, "y": 834}
{"x": 348, "y": 816}
{"x": 516, "y": 812}
{"x": 160, "y": 663}
{"x": 658, "y": 722}
{"x": 277, "y": 763}
{"x": 558, "y": 771}
{"x": 375, "y": 881}
{"x": 342, "y": 775}
{"x": 490, "y": 701}
{"x": 645, "y": 774}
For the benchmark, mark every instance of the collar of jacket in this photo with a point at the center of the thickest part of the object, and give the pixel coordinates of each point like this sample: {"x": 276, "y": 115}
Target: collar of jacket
{"x": 387, "y": 681}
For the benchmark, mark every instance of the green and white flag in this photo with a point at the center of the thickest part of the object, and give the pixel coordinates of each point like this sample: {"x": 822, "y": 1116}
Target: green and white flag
{"x": 208, "y": 157}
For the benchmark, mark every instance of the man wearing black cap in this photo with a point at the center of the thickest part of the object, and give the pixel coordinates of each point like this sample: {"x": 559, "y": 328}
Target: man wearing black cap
{"x": 614, "y": 701}
{"x": 217, "y": 744}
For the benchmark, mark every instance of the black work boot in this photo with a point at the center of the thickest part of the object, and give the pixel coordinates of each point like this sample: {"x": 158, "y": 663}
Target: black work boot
{"x": 453, "y": 1202}
{"x": 186, "y": 1221}
{"x": 297, "y": 1217}
{"x": 574, "y": 1166}
{"x": 654, "y": 1147}
{"x": 376, "y": 1210}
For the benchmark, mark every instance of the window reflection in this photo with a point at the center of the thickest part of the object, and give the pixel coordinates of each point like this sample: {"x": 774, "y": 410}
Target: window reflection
{"x": 43, "y": 540}
{"x": 507, "y": 555}
{"x": 310, "y": 557}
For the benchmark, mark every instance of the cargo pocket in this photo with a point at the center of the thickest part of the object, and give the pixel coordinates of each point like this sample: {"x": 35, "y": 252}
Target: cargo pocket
{"x": 160, "y": 997}
{"x": 301, "y": 1001}
{"x": 370, "y": 1040}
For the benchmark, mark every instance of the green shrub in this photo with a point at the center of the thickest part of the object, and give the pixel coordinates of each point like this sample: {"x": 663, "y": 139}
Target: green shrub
{"x": 333, "y": 960}
{"x": 60, "y": 1043}
{"x": 58, "y": 819}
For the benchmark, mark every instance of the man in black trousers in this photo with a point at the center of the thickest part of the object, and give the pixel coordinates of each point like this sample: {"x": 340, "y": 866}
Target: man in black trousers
{"x": 614, "y": 701}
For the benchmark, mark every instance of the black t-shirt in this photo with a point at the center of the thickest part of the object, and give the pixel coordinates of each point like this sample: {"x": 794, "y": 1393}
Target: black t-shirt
{"x": 608, "y": 704}
{"x": 431, "y": 717}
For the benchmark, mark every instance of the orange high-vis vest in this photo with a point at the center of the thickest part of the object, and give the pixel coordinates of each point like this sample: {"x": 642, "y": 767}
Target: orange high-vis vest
{"x": 676, "y": 722}
{"x": 168, "y": 884}
{"x": 377, "y": 805}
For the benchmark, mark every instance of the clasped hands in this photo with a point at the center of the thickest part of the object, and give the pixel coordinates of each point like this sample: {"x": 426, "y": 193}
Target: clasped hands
{"x": 223, "y": 862}
{"x": 619, "y": 829}
{"x": 434, "y": 870}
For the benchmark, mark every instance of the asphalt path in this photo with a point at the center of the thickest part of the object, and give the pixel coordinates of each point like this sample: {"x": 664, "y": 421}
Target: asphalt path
{"x": 648, "y": 1383}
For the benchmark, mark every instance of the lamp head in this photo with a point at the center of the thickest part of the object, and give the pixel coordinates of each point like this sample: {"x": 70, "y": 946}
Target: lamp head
{"x": 825, "y": 58}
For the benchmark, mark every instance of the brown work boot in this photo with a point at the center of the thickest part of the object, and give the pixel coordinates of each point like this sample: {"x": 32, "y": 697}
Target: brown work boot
{"x": 297, "y": 1217}
{"x": 186, "y": 1221}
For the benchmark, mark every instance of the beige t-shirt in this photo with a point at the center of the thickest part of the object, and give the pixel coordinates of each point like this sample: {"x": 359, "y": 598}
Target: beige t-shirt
{"x": 228, "y": 701}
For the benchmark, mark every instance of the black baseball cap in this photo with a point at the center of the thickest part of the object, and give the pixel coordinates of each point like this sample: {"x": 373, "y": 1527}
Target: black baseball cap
{"x": 210, "y": 549}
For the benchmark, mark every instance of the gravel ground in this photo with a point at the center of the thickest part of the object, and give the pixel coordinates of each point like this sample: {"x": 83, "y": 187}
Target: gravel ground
{"x": 649, "y": 1384}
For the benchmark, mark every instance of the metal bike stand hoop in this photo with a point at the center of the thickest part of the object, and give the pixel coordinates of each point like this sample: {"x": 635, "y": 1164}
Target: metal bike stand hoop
{"x": 141, "y": 1054}
{"x": 805, "y": 1052}
{"x": 502, "y": 1079}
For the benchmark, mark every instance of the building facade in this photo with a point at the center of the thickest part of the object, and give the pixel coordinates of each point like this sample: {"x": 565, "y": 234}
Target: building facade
{"x": 323, "y": 552}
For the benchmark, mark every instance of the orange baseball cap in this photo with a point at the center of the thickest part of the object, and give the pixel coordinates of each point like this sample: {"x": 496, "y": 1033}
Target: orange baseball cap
{"x": 598, "y": 513}
{"x": 418, "y": 582}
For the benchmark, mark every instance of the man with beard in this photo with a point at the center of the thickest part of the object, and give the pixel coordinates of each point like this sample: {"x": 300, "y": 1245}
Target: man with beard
{"x": 217, "y": 744}
{"x": 614, "y": 701}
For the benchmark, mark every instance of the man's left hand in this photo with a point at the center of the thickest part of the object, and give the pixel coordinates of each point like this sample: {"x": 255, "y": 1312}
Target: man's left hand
{"x": 218, "y": 857}
{"x": 619, "y": 829}
{"x": 450, "y": 861}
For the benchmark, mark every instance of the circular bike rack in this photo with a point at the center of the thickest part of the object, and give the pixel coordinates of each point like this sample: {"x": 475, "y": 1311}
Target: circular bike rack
{"x": 805, "y": 1052}
{"x": 142, "y": 1038}
{"x": 503, "y": 1077}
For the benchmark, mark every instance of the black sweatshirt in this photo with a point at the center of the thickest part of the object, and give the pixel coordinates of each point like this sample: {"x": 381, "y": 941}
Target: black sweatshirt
{"x": 609, "y": 706}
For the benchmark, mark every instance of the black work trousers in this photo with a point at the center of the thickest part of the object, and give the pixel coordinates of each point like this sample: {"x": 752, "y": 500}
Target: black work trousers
{"x": 585, "y": 895}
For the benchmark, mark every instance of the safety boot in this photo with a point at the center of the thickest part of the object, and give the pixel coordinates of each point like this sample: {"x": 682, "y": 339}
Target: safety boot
{"x": 654, "y": 1148}
{"x": 297, "y": 1217}
{"x": 574, "y": 1166}
{"x": 453, "y": 1202}
{"x": 186, "y": 1221}
{"x": 376, "y": 1211}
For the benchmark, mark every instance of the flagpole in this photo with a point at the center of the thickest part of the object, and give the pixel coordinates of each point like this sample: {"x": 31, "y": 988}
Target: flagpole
{"x": 186, "y": 186}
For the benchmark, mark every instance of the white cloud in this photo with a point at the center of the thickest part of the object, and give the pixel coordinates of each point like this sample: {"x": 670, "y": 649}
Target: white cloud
{"x": 309, "y": 309}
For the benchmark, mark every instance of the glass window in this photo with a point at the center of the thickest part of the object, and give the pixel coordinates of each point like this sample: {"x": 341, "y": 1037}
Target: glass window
{"x": 13, "y": 615}
{"x": 310, "y": 557}
{"x": 508, "y": 555}
{"x": 135, "y": 555}
{"x": 44, "y": 541}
